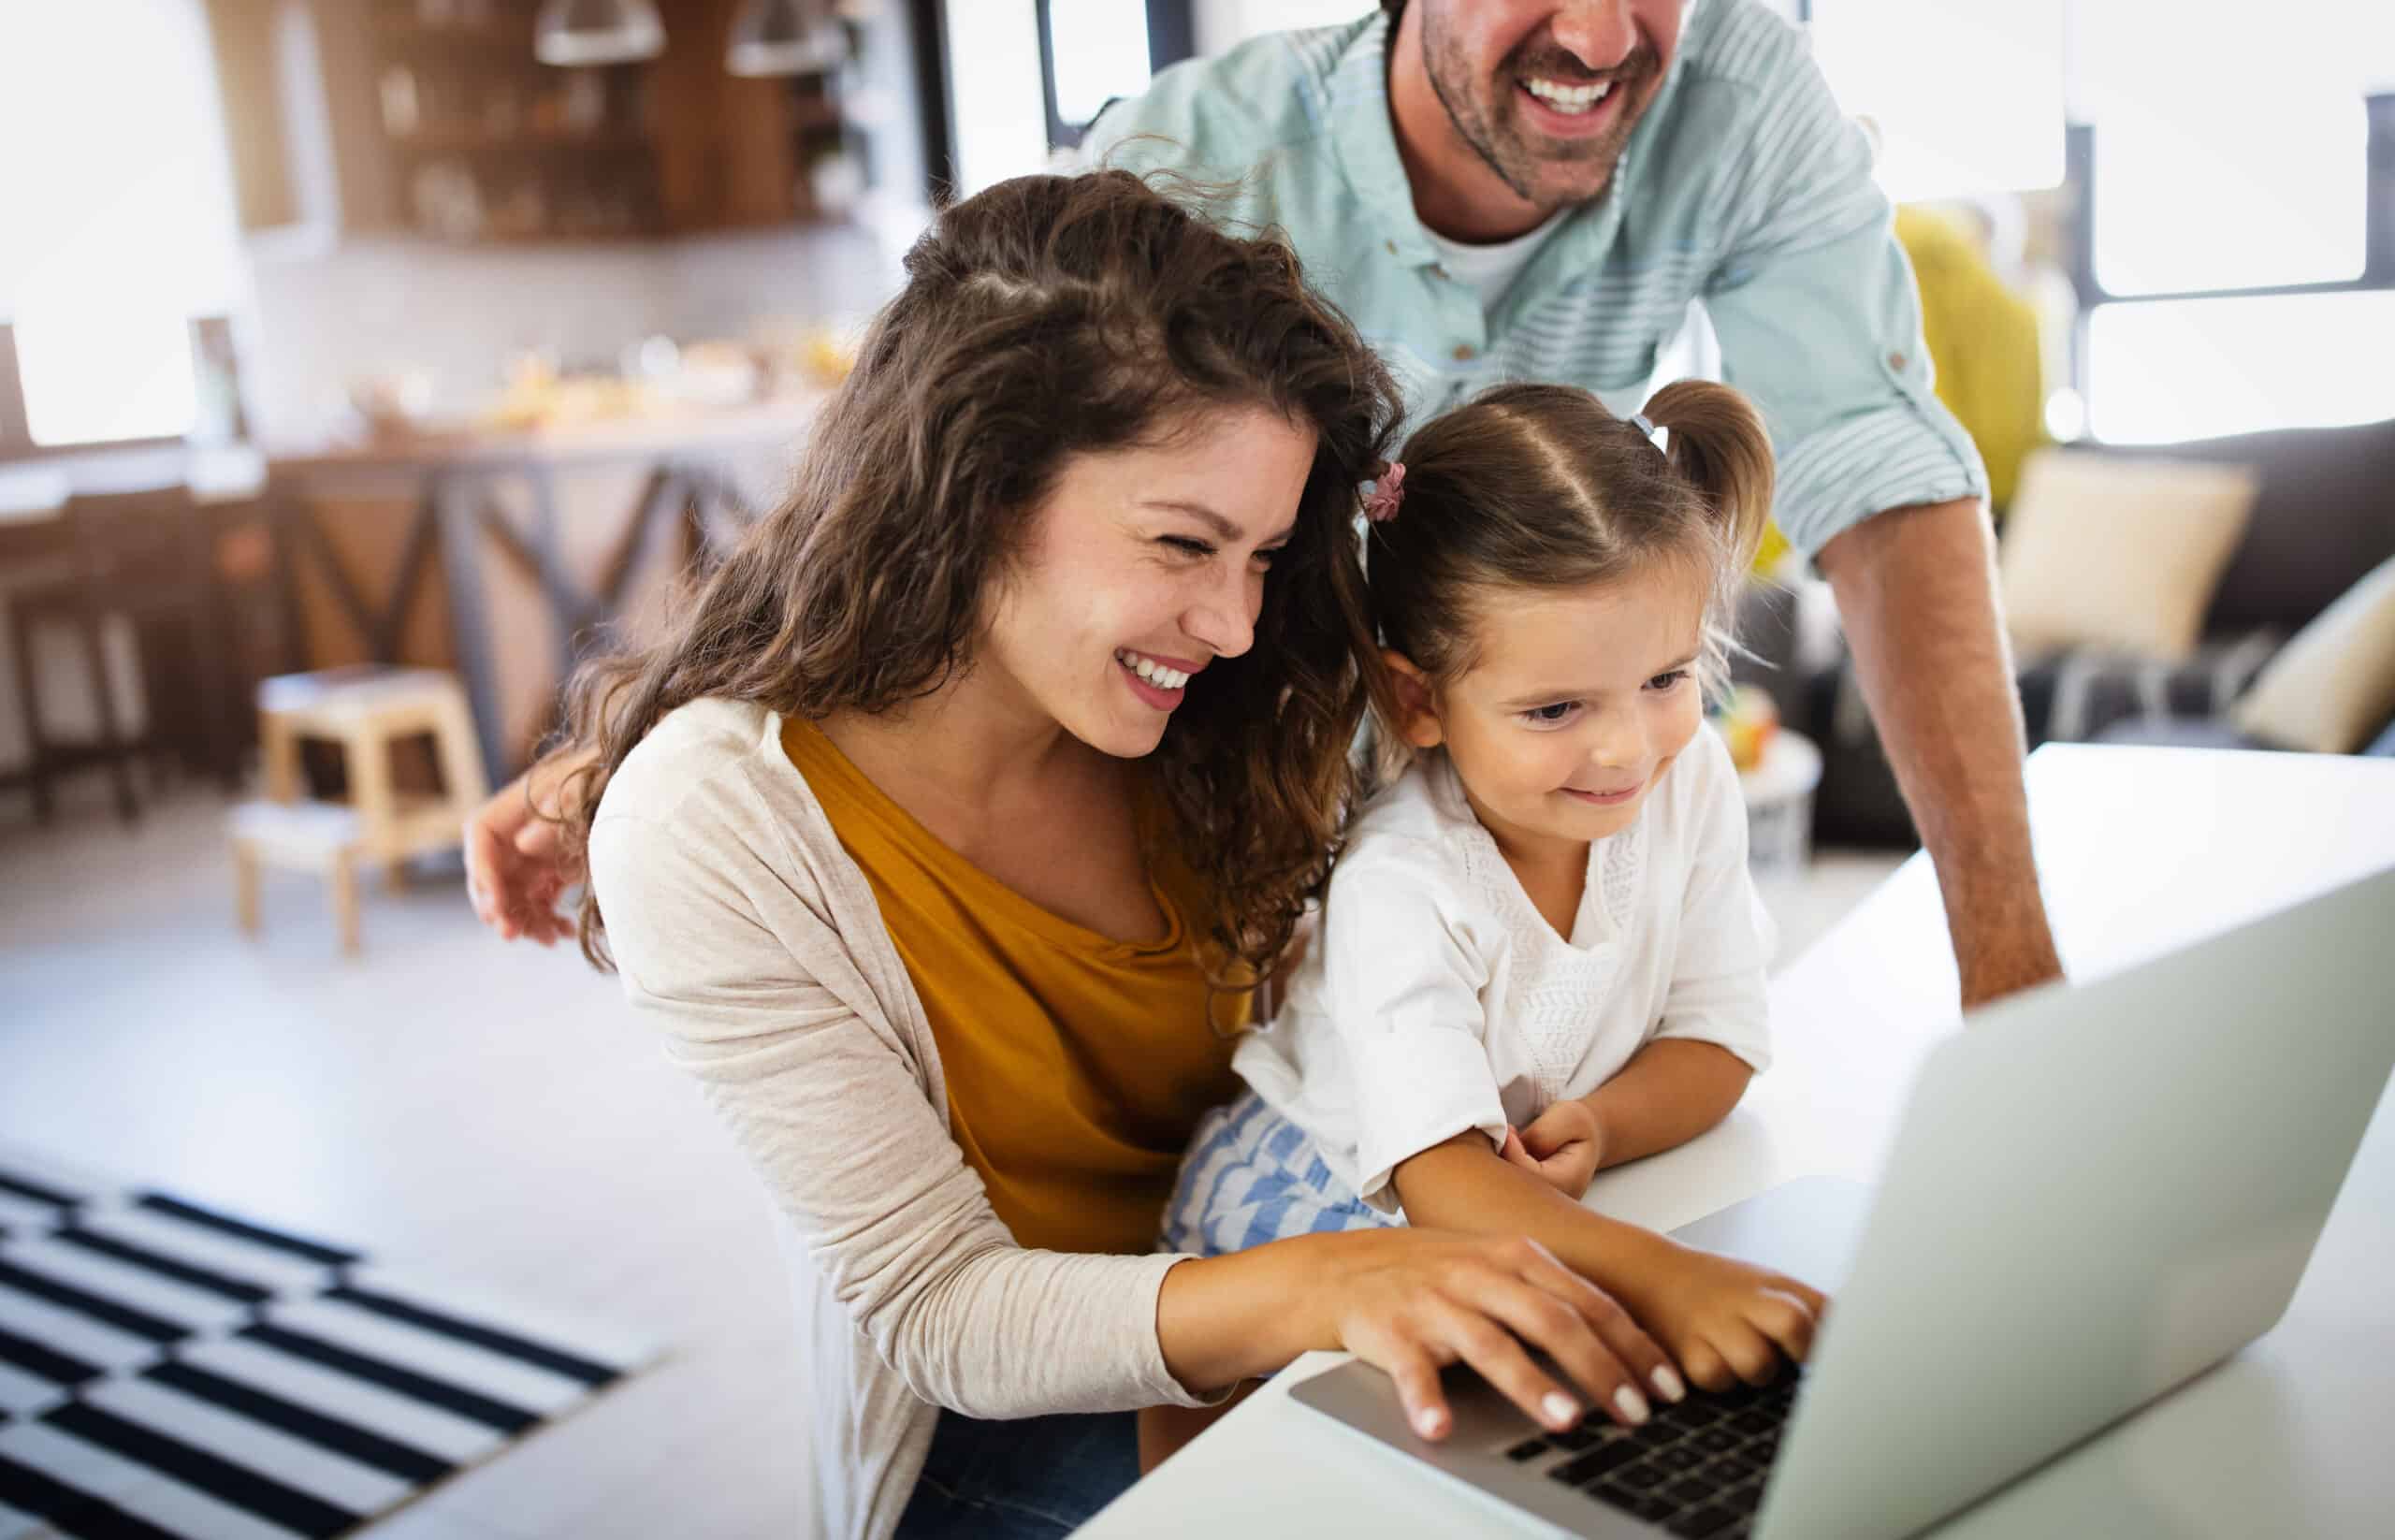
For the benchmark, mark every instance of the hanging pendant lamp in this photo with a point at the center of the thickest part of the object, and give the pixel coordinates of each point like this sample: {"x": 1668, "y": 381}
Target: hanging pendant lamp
{"x": 786, "y": 38}
{"x": 597, "y": 31}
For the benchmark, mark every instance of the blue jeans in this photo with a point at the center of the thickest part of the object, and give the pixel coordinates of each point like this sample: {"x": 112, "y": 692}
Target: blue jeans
{"x": 1027, "y": 1479}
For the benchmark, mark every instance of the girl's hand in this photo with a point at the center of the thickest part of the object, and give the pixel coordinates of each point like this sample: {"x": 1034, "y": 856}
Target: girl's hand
{"x": 1413, "y": 1302}
{"x": 1562, "y": 1147}
{"x": 1724, "y": 1320}
{"x": 515, "y": 865}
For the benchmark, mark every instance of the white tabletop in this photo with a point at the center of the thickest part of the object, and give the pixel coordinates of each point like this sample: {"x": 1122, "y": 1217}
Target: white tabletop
{"x": 2141, "y": 849}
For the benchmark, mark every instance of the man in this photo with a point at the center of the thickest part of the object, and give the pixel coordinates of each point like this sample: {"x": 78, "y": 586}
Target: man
{"x": 1509, "y": 189}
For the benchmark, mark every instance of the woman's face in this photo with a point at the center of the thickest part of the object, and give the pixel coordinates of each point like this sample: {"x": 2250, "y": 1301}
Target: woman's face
{"x": 1143, "y": 566}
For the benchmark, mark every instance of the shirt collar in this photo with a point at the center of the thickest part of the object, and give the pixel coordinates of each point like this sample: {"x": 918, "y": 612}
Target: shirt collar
{"x": 1357, "y": 93}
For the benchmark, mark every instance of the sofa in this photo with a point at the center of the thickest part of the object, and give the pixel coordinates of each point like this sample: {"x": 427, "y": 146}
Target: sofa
{"x": 2322, "y": 520}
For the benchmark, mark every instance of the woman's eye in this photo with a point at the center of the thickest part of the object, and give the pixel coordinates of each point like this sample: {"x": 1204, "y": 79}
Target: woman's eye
{"x": 1187, "y": 546}
{"x": 1549, "y": 714}
{"x": 1263, "y": 557}
{"x": 1661, "y": 682}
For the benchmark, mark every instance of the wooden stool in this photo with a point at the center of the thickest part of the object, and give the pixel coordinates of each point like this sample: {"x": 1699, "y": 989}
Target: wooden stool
{"x": 319, "y": 837}
{"x": 364, "y": 710}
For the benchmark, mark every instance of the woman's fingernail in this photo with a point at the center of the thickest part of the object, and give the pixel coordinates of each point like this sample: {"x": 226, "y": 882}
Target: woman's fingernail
{"x": 1668, "y": 1384}
{"x": 1561, "y": 1410}
{"x": 1632, "y": 1404}
{"x": 1428, "y": 1423}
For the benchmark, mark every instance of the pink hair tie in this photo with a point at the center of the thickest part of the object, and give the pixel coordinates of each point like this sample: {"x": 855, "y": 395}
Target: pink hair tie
{"x": 1389, "y": 490}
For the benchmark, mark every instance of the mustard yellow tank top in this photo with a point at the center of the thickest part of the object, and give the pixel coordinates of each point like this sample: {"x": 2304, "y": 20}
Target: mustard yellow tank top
{"x": 1076, "y": 1064}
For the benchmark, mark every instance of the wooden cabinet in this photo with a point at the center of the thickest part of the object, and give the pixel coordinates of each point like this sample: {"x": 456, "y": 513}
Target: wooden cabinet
{"x": 436, "y": 120}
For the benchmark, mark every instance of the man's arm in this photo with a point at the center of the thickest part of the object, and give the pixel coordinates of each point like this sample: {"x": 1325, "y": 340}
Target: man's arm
{"x": 1916, "y": 591}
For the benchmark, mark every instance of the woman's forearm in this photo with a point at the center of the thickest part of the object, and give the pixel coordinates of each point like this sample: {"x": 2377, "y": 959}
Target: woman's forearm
{"x": 1670, "y": 1091}
{"x": 1224, "y": 1319}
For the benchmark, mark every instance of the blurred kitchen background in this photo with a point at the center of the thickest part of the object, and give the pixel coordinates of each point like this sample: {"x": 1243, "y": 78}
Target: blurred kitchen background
{"x": 362, "y": 361}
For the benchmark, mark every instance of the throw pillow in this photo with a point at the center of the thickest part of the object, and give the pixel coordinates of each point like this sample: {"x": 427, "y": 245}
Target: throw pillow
{"x": 2333, "y": 686}
{"x": 2115, "y": 551}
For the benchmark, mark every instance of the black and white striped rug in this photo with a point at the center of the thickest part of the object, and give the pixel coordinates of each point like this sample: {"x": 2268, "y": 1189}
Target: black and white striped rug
{"x": 170, "y": 1370}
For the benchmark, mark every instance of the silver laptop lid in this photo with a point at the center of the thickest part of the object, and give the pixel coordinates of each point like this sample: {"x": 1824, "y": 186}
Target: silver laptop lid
{"x": 2095, "y": 1193}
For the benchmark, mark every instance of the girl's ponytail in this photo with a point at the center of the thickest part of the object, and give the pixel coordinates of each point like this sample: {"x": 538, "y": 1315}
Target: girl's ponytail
{"x": 1718, "y": 444}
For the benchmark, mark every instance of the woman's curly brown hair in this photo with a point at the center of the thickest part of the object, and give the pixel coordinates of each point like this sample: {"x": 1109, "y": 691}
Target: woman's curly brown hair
{"x": 1042, "y": 318}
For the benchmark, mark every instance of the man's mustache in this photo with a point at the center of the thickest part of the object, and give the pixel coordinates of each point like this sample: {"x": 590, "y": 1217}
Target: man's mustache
{"x": 1556, "y": 65}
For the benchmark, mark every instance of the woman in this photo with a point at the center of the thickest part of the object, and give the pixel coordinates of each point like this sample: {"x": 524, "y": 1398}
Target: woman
{"x": 945, "y": 832}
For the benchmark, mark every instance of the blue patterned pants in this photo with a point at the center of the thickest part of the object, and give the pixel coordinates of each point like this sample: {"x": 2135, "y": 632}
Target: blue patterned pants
{"x": 1251, "y": 1176}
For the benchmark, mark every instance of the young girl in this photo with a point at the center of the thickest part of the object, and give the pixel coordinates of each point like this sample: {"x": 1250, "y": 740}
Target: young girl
{"x": 1541, "y": 953}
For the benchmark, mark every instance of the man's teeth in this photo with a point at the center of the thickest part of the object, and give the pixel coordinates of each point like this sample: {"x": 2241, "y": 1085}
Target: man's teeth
{"x": 1151, "y": 671}
{"x": 1568, "y": 98}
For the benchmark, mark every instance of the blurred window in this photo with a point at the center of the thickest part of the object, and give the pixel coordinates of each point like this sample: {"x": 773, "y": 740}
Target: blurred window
{"x": 2189, "y": 198}
{"x": 116, "y": 213}
{"x": 2238, "y": 197}
{"x": 2169, "y": 370}
{"x": 995, "y": 78}
{"x": 1099, "y": 51}
{"x": 1224, "y": 24}
{"x": 1966, "y": 95}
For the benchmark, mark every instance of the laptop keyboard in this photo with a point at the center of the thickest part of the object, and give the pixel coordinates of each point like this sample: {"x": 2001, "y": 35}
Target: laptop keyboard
{"x": 1697, "y": 1468}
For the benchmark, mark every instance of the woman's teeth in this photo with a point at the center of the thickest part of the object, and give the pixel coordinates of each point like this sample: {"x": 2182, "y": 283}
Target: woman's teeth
{"x": 1568, "y": 98}
{"x": 1151, "y": 671}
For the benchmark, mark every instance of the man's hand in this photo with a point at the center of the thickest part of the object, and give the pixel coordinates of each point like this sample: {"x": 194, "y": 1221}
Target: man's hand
{"x": 1562, "y": 1147}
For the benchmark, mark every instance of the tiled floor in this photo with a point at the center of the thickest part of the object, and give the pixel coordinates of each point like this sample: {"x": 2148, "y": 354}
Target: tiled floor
{"x": 489, "y": 1113}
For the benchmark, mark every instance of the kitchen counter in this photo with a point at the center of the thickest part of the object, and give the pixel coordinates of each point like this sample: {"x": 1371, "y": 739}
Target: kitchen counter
{"x": 506, "y": 555}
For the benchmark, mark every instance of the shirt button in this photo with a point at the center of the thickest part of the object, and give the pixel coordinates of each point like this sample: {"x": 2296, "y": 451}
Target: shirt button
{"x": 1391, "y": 246}
{"x": 1466, "y": 352}
{"x": 1897, "y": 362}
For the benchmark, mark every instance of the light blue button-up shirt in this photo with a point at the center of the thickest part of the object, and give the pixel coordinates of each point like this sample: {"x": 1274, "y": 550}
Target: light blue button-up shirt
{"x": 1743, "y": 189}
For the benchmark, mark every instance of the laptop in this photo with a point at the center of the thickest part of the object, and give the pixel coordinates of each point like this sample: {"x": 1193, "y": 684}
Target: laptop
{"x": 2077, "y": 1217}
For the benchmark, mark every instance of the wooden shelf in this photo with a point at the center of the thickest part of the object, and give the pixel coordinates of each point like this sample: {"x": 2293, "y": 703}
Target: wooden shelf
{"x": 705, "y": 150}
{"x": 469, "y": 141}
{"x": 492, "y": 37}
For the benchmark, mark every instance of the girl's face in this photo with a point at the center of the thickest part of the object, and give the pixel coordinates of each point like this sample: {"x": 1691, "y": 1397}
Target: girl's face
{"x": 1143, "y": 566}
{"x": 1576, "y": 705}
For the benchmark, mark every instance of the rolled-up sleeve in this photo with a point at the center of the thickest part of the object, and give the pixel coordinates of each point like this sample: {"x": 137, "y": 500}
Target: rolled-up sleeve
{"x": 1820, "y": 322}
{"x": 757, "y": 1003}
{"x": 1406, "y": 988}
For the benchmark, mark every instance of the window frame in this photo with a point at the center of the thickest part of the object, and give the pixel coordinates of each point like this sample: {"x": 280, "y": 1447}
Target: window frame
{"x": 2378, "y": 233}
{"x": 1172, "y": 36}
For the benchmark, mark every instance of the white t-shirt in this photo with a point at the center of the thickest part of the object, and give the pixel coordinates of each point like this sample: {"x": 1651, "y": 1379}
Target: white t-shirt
{"x": 1437, "y": 998}
{"x": 1490, "y": 268}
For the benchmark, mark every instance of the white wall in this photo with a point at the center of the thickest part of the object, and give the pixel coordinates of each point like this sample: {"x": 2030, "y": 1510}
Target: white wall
{"x": 460, "y": 313}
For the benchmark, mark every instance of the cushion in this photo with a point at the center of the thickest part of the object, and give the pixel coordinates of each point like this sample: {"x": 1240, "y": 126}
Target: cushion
{"x": 2118, "y": 551}
{"x": 2321, "y": 520}
{"x": 2333, "y": 686}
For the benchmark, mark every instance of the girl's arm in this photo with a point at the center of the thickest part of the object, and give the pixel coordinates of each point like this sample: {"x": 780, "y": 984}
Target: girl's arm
{"x": 1670, "y": 1091}
{"x": 1721, "y": 1318}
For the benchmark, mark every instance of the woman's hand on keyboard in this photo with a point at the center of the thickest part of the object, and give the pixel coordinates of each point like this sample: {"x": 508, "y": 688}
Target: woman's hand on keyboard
{"x": 1415, "y": 1300}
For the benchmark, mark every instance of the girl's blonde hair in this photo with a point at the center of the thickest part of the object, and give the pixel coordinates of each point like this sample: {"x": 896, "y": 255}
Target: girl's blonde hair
{"x": 1539, "y": 486}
